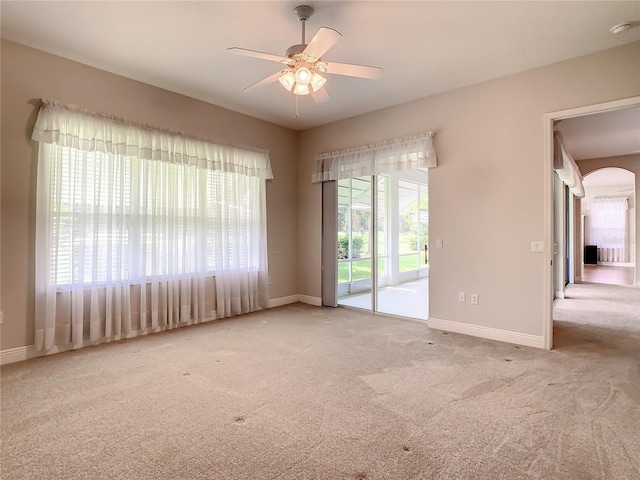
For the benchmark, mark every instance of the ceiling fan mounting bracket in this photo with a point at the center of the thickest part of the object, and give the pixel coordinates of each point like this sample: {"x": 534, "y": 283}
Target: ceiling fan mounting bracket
{"x": 303, "y": 12}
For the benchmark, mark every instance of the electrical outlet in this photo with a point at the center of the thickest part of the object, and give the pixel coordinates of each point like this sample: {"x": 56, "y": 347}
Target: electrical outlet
{"x": 475, "y": 299}
{"x": 462, "y": 297}
{"x": 1, "y": 318}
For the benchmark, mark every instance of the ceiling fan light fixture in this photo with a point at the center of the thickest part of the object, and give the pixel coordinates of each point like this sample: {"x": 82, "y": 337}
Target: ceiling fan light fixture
{"x": 317, "y": 81}
{"x": 288, "y": 80}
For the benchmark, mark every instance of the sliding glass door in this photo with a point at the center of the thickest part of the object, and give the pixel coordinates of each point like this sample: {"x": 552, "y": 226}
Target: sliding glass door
{"x": 382, "y": 242}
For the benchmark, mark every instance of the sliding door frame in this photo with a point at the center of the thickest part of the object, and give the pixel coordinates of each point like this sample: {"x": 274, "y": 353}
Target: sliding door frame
{"x": 329, "y": 268}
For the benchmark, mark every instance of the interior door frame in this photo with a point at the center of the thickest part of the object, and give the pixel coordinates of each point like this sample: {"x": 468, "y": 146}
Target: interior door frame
{"x": 547, "y": 158}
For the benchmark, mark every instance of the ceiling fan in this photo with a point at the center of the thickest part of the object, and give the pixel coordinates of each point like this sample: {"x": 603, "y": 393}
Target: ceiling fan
{"x": 304, "y": 64}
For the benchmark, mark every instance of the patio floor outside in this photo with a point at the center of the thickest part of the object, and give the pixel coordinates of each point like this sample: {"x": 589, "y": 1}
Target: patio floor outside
{"x": 408, "y": 299}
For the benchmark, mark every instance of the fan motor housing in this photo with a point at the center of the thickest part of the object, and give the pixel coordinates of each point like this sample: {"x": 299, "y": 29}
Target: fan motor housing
{"x": 295, "y": 49}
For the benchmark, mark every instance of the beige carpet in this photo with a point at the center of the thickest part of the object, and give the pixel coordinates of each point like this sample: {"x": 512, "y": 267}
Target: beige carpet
{"x": 609, "y": 306}
{"x": 303, "y": 392}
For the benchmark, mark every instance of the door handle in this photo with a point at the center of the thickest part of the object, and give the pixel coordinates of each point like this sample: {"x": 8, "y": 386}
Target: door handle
{"x": 426, "y": 258}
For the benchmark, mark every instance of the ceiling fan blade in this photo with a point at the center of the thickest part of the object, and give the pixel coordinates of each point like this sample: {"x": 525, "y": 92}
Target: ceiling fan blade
{"x": 255, "y": 54}
{"x": 322, "y": 41}
{"x": 352, "y": 70}
{"x": 264, "y": 81}
{"x": 320, "y": 96}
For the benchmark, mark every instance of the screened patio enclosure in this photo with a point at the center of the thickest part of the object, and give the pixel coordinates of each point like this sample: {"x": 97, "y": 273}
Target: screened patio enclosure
{"x": 400, "y": 200}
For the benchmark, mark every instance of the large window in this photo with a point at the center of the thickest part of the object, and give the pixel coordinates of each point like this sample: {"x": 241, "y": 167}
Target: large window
{"x": 141, "y": 229}
{"x": 121, "y": 218}
{"x": 608, "y": 227}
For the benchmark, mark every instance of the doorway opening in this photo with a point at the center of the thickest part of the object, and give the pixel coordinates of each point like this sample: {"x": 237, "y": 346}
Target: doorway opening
{"x": 567, "y": 278}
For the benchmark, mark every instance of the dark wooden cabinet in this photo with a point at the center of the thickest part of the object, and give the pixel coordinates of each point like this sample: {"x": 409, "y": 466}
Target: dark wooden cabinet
{"x": 590, "y": 254}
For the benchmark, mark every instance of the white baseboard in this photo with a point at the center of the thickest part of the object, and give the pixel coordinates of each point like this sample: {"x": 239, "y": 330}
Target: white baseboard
{"x": 278, "y": 302}
{"x": 559, "y": 294}
{"x": 487, "y": 332}
{"x": 19, "y": 354}
{"x": 310, "y": 300}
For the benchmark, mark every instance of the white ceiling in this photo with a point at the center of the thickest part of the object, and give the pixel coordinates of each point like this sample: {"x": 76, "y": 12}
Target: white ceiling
{"x": 424, "y": 47}
{"x": 601, "y": 135}
{"x": 606, "y": 134}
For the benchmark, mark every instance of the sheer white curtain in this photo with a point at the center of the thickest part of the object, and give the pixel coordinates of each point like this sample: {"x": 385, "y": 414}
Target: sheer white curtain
{"x": 608, "y": 225}
{"x": 566, "y": 167}
{"x": 140, "y": 229}
{"x": 399, "y": 154}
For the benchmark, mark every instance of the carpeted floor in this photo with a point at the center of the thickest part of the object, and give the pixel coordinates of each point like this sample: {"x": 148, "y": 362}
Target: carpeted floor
{"x": 609, "y": 306}
{"x": 302, "y": 392}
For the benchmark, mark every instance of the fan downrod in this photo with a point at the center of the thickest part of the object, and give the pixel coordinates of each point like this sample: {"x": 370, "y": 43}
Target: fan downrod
{"x": 303, "y": 12}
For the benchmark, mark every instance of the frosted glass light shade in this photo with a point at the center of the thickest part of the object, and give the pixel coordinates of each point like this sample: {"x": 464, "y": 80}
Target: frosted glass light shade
{"x": 303, "y": 76}
{"x": 317, "y": 82}
{"x": 288, "y": 80}
{"x": 301, "y": 89}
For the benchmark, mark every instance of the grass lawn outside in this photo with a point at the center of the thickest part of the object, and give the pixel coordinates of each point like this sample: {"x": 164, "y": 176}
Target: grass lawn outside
{"x": 362, "y": 267}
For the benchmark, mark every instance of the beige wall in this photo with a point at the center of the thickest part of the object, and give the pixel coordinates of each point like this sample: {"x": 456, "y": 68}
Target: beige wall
{"x": 487, "y": 195}
{"x": 632, "y": 164}
{"x": 28, "y": 75}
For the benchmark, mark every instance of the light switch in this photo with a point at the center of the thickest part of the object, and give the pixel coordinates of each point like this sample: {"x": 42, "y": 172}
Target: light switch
{"x": 439, "y": 243}
{"x": 537, "y": 246}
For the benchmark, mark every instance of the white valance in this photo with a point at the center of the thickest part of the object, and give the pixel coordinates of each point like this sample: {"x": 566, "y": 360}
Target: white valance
{"x": 72, "y": 127}
{"x": 566, "y": 167}
{"x": 400, "y": 154}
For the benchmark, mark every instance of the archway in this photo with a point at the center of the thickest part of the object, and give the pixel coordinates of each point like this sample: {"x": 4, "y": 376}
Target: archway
{"x": 608, "y": 227}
